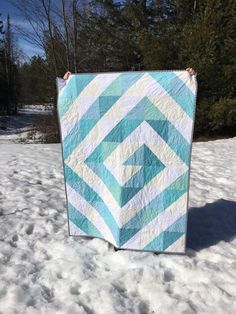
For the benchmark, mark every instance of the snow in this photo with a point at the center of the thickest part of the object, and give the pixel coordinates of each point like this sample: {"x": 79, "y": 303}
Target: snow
{"x": 17, "y": 127}
{"x": 43, "y": 270}
{"x": 46, "y": 108}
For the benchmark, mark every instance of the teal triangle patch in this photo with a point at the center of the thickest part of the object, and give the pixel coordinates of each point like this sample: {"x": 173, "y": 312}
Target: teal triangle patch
{"x": 126, "y": 234}
{"x": 127, "y": 193}
{"x": 156, "y": 244}
{"x": 121, "y": 131}
{"x": 96, "y": 155}
{"x": 170, "y": 238}
{"x": 150, "y": 159}
{"x": 106, "y": 102}
{"x": 137, "y": 158}
{"x": 143, "y": 157}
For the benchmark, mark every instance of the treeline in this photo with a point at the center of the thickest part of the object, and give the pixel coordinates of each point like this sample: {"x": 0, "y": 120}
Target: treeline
{"x": 9, "y": 78}
{"x": 108, "y": 35}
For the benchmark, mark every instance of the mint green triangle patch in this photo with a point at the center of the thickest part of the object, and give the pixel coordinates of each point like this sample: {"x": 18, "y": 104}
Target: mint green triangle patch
{"x": 152, "y": 112}
{"x": 107, "y": 148}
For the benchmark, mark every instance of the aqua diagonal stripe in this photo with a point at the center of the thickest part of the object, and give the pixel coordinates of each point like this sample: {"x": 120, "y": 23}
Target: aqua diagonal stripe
{"x": 72, "y": 90}
{"x": 176, "y": 88}
{"x": 82, "y": 222}
{"x": 117, "y": 88}
{"x": 81, "y": 187}
{"x": 169, "y": 236}
{"x": 154, "y": 208}
{"x": 173, "y": 138}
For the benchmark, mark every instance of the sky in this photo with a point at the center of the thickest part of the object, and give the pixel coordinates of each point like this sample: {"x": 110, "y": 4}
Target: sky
{"x": 7, "y": 8}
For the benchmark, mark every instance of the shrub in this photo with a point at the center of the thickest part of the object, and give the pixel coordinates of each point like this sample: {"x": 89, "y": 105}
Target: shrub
{"x": 202, "y": 120}
{"x": 223, "y": 116}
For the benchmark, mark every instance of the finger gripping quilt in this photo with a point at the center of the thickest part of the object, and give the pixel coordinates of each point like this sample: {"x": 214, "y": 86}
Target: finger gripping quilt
{"x": 126, "y": 146}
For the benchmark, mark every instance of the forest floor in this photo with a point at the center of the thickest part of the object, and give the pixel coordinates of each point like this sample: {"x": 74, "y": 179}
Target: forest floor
{"x": 43, "y": 270}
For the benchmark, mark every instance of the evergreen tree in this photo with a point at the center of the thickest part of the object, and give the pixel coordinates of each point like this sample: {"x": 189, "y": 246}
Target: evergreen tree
{"x": 8, "y": 71}
{"x": 208, "y": 45}
{"x": 3, "y": 83}
{"x": 35, "y": 87}
{"x": 11, "y": 69}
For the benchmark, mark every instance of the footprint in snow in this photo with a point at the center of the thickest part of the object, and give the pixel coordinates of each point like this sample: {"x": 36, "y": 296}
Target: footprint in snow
{"x": 29, "y": 230}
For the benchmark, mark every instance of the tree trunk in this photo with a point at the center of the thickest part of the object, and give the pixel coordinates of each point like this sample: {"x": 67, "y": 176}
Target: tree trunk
{"x": 75, "y": 57}
{"x": 47, "y": 9}
{"x": 67, "y": 35}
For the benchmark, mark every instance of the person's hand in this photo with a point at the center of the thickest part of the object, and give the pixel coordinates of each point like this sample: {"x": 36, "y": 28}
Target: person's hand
{"x": 66, "y": 76}
{"x": 191, "y": 71}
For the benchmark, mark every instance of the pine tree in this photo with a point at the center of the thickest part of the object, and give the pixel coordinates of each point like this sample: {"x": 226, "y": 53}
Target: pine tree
{"x": 3, "y": 82}
{"x": 208, "y": 45}
{"x": 10, "y": 72}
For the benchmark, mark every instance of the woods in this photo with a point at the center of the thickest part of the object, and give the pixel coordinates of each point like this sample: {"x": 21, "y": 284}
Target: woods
{"x": 9, "y": 78}
{"x": 108, "y": 35}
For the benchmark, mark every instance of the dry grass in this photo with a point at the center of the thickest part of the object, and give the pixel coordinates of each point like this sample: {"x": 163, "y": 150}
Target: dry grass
{"x": 45, "y": 130}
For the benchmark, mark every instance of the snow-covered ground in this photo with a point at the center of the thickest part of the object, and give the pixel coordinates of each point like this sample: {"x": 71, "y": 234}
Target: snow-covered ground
{"x": 16, "y": 128}
{"x": 43, "y": 270}
{"x": 46, "y": 108}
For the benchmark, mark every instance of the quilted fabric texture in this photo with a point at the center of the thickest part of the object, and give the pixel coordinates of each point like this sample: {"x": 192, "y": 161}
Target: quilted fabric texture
{"x": 126, "y": 142}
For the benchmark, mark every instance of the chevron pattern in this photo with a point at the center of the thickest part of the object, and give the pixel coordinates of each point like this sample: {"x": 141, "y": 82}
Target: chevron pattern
{"x": 126, "y": 141}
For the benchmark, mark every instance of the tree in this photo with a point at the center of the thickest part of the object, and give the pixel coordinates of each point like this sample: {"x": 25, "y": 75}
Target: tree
{"x": 3, "y": 83}
{"x": 35, "y": 89}
{"x": 66, "y": 27}
{"x": 208, "y": 45}
{"x": 9, "y": 70}
{"x": 75, "y": 34}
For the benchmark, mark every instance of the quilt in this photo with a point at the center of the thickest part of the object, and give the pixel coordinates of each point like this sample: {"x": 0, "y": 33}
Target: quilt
{"x": 126, "y": 147}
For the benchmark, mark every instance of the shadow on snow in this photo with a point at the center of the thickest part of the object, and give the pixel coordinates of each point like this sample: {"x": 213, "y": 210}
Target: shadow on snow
{"x": 211, "y": 224}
